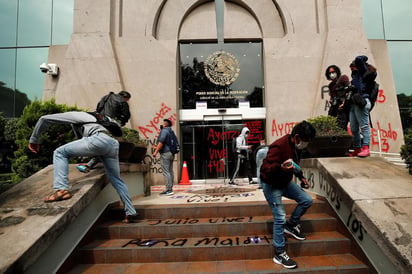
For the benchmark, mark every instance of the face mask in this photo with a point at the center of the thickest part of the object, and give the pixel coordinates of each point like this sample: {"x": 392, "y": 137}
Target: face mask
{"x": 302, "y": 145}
{"x": 333, "y": 75}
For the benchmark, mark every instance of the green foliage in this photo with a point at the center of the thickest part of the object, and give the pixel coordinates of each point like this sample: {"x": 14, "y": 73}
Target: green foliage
{"x": 2, "y": 125}
{"x": 132, "y": 136}
{"x": 405, "y": 110}
{"x": 406, "y": 150}
{"x": 327, "y": 126}
{"x": 10, "y": 127}
{"x": 27, "y": 163}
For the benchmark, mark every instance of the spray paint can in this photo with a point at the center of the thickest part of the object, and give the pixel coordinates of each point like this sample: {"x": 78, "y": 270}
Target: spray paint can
{"x": 296, "y": 167}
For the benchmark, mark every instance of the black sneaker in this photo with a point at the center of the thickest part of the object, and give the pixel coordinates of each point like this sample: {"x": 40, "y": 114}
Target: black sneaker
{"x": 283, "y": 259}
{"x": 232, "y": 183}
{"x": 167, "y": 192}
{"x": 295, "y": 231}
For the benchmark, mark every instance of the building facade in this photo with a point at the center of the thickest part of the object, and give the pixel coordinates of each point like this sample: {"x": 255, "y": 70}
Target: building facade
{"x": 213, "y": 67}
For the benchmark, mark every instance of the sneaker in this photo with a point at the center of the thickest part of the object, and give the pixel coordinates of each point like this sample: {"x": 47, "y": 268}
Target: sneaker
{"x": 252, "y": 182}
{"x": 83, "y": 168}
{"x": 283, "y": 259}
{"x": 364, "y": 152}
{"x": 355, "y": 152}
{"x": 167, "y": 192}
{"x": 295, "y": 231}
{"x": 232, "y": 183}
{"x": 131, "y": 218}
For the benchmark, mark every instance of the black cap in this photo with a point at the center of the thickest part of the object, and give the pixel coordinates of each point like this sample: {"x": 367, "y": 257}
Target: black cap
{"x": 125, "y": 94}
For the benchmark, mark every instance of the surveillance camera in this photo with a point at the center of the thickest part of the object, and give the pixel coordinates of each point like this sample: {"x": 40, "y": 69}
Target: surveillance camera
{"x": 44, "y": 68}
{"x": 51, "y": 69}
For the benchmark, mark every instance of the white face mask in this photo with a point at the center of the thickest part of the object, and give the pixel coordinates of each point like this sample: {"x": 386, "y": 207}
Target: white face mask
{"x": 333, "y": 75}
{"x": 302, "y": 145}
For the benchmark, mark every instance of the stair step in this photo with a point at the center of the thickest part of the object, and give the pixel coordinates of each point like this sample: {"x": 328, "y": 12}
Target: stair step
{"x": 213, "y": 210}
{"x": 196, "y": 227}
{"x": 340, "y": 263}
{"x": 207, "y": 248}
{"x": 213, "y": 238}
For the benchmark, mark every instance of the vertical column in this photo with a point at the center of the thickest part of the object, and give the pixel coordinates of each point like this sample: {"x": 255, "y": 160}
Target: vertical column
{"x": 219, "y": 6}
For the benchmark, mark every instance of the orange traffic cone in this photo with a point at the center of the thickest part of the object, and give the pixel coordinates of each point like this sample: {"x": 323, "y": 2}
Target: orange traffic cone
{"x": 185, "y": 175}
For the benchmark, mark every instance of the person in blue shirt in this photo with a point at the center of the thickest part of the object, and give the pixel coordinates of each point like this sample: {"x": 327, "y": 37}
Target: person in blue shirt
{"x": 166, "y": 156}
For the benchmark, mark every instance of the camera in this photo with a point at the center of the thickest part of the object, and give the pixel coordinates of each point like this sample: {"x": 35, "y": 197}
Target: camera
{"x": 51, "y": 69}
{"x": 44, "y": 68}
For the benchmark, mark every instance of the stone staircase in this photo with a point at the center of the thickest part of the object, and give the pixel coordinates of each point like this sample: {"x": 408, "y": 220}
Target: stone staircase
{"x": 213, "y": 238}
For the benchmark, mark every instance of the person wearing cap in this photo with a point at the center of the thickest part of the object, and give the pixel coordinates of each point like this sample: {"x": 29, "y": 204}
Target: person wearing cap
{"x": 166, "y": 156}
{"x": 115, "y": 106}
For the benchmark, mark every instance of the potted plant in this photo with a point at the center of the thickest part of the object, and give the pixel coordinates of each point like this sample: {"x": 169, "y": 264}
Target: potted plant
{"x": 132, "y": 147}
{"x": 330, "y": 140}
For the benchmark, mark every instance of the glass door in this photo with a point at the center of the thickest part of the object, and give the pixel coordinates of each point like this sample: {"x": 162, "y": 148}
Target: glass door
{"x": 207, "y": 149}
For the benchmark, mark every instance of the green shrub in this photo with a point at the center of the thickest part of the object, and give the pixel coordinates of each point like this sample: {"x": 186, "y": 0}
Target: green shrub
{"x": 7, "y": 144}
{"x": 327, "y": 126}
{"x": 406, "y": 149}
{"x": 10, "y": 127}
{"x": 27, "y": 163}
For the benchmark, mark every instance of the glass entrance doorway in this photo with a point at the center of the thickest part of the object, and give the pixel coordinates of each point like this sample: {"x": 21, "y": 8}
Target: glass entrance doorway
{"x": 207, "y": 148}
{"x": 221, "y": 91}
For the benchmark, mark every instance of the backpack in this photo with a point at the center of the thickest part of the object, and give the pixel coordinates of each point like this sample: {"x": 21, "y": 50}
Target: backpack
{"x": 114, "y": 106}
{"x": 113, "y": 127}
{"x": 173, "y": 143}
{"x": 373, "y": 95}
{"x": 234, "y": 145}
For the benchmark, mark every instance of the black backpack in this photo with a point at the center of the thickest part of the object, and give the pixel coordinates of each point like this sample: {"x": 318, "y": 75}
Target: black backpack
{"x": 172, "y": 142}
{"x": 373, "y": 94}
{"x": 114, "y": 106}
{"x": 113, "y": 127}
{"x": 234, "y": 145}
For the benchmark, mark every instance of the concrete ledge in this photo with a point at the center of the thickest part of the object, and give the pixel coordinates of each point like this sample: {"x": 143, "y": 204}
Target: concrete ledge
{"x": 378, "y": 195}
{"x": 28, "y": 226}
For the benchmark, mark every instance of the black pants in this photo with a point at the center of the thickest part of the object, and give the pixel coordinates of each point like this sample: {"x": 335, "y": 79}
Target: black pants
{"x": 242, "y": 160}
{"x": 342, "y": 115}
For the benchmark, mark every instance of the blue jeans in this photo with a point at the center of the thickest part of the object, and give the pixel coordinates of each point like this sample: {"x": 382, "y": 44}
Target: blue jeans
{"x": 166, "y": 162}
{"x": 359, "y": 123}
{"x": 274, "y": 198}
{"x": 101, "y": 145}
{"x": 260, "y": 155}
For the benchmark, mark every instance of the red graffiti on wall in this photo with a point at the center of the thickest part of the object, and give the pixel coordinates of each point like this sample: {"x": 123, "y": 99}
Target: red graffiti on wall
{"x": 154, "y": 124}
{"x": 282, "y": 128}
{"x": 215, "y": 136}
{"x": 217, "y": 152}
{"x": 381, "y": 97}
{"x": 256, "y": 131}
{"x": 386, "y": 135}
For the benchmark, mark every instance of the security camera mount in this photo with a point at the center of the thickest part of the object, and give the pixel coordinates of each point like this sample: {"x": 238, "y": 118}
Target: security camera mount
{"x": 50, "y": 69}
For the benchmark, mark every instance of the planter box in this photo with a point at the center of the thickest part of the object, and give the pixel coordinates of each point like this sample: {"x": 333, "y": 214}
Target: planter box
{"x": 329, "y": 146}
{"x": 138, "y": 154}
{"x": 125, "y": 151}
